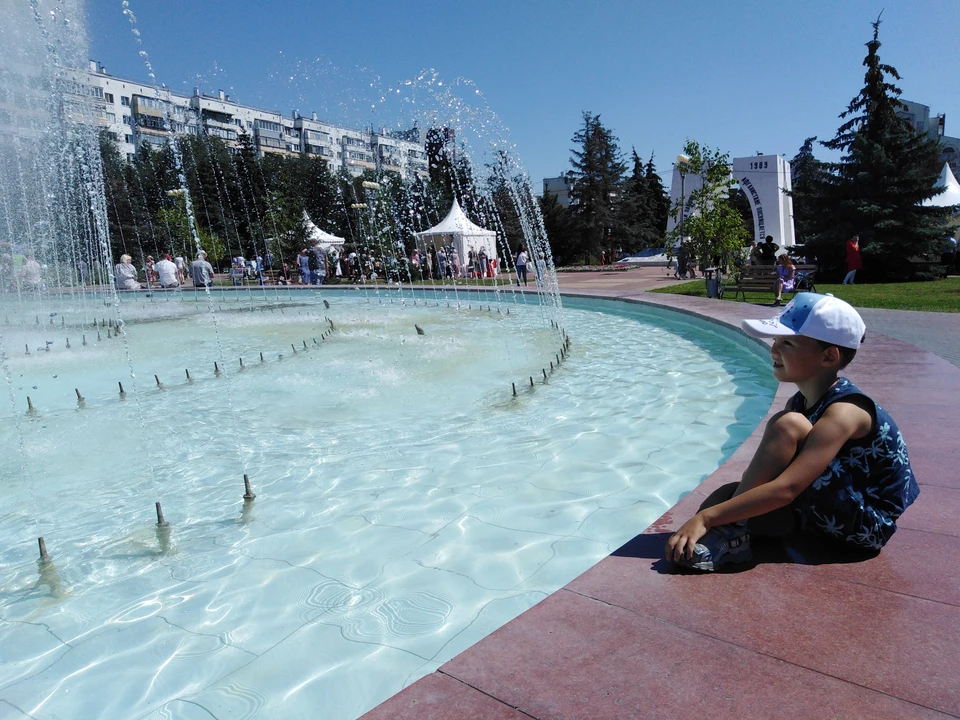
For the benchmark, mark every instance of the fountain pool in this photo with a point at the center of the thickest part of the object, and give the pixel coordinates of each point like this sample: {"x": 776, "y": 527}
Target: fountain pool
{"x": 408, "y": 504}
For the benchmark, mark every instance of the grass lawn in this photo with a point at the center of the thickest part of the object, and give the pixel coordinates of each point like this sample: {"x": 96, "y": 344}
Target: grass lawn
{"x": 932, "y": 296}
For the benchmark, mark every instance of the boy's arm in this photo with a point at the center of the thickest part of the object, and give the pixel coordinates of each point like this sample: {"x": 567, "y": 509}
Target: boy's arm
{"x": 838, "y": 424}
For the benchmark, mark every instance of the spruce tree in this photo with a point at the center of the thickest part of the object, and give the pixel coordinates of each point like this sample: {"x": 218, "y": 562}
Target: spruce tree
{"x": 887, "y": 170}
{"x": 658, "y": 202}
{"x": 597, "y": 177}
{"x": 634, "y": 214}
{"x": 807, "y": 180}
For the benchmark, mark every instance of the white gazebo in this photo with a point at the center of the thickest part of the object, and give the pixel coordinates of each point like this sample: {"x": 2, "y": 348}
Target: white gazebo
{"x": 951, "y": 190}
{"x": 326, "y": 240}
{"x": 457, "y": 230}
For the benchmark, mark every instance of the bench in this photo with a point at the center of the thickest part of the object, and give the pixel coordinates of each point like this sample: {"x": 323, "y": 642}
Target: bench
{"x": 761, "y": 278}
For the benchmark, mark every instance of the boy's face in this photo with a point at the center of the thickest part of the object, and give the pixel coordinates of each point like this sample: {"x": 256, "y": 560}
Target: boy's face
{"x": 797, "y": 358}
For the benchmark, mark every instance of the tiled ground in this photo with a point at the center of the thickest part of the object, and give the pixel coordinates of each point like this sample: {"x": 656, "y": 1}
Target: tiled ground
{"x": 791, "y": 636}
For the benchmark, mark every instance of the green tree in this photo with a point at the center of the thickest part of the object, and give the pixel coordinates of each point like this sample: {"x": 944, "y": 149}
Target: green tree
{"x": 710, "y": 228}
{"x": 658, "y": 203}
{"x": 597, "y": 179}
{"x": 877, "y": 188}
{"x": 644, "y": 207}
{"x": 807, "y": 181}
{"x": 558, "y": 224}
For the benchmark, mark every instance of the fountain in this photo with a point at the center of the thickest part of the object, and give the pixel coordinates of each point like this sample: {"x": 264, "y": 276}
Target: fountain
{"x": 263, "y": 501}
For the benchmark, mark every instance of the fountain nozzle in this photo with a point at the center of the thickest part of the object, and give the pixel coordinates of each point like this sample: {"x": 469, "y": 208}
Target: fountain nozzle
{"x": 160, "y": 521}
{"x": 248, "y": 495}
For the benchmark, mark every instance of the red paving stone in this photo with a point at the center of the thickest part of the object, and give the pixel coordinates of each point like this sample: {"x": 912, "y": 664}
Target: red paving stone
{"x": 789, "y": 636}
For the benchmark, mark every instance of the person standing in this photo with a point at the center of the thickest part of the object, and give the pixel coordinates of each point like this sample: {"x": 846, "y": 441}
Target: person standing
{"x": 854, "y": 261}
{"x": 149, "y": 271}
{"x": 521, "y": 264}
{"x": 181, "y": 269}
{"x": 318, "y": 264}
{"x": 303, "y": 263}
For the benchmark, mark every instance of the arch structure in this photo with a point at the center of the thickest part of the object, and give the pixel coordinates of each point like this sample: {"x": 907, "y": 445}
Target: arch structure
{"x": 765, "y": 180}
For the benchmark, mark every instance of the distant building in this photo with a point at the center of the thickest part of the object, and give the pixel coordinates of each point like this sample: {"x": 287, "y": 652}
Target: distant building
{"x": 560, "y": 187}
{"x": 919, "y": 117}
{"x": 132, "y": 113}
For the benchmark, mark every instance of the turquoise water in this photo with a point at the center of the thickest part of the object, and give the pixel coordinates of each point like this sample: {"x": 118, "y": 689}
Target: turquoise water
{"x": 408, "y": 504}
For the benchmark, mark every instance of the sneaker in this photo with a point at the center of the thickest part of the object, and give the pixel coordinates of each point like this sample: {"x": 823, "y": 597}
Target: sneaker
{"x": 722, "y": 545}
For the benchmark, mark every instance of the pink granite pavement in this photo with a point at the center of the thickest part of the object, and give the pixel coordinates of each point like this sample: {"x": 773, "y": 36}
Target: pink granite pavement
{"x": 791, "y": 636}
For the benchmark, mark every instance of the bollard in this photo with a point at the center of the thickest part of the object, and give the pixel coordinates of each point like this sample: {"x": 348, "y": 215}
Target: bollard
{"x": 98, "y": 336}
{"x": 79, "y": 396}
{"x": 304, "y": 344}
{"x": 294, "y": 348}
{"x": 531, "y": 381}
{"x": 315, "y": 341}
{"x": 261, "y": 358}
{"x": 216, "y": 369}
{"x": 514, "y": 389}
{"x": 84, "y": 339}
{"x": 159, "y": 384}
{"x": 43, "y": 550}
{"x": 551, "y": 366}
{"x": 68, "y": 343}
{"x": 109, "y": 333}
{"x": 189, "y": 379}
{"x": 28, "y": 349}
{"x": 241, "y": 363}
{"x": 544, "y": 373}
{"x": 562, "y": 354}
{"x": 30, "y": 407}
{"x": 160, "y": 521}
{"x": 249, "y": 494}
{"x": 558, "y": 360}
{"x": 123, "y": 393}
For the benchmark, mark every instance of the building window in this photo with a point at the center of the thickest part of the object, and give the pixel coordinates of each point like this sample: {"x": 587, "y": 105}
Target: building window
{"x": 267, "y": 125}
{"x": 130, "y": 157}
{"x": 126, "y": 119}
{"x": 124, "y": 100}
{"x": 128, "y": 139}
{"x": 108, "y": 97}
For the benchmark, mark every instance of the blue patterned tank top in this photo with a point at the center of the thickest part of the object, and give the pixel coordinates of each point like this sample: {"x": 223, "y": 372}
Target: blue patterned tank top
{"x": 857, "y": 499}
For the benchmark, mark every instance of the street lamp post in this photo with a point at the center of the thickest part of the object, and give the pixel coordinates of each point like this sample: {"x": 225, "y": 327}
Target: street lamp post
{"x": 682, "y": 166}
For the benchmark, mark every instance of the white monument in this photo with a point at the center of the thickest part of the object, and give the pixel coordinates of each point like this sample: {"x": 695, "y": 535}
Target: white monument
{"x": 765, "y": 180}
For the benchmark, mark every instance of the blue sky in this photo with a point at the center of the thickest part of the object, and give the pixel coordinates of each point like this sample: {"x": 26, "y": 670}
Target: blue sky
{"x": 744, "y": 77}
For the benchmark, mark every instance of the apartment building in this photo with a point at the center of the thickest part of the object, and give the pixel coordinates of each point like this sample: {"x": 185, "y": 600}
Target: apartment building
{"x": 133, "y": 113}
{"x": 919, "y": 117}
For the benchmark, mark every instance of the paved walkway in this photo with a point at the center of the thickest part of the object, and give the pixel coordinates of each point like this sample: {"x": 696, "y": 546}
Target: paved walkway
{"x": 794, "y": 635}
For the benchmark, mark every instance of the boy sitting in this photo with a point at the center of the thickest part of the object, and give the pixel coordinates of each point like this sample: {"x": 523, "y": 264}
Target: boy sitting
{"x": 832, "y": 463}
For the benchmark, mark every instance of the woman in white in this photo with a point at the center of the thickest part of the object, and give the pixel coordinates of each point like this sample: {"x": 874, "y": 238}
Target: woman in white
{"x": 126, "y": 274}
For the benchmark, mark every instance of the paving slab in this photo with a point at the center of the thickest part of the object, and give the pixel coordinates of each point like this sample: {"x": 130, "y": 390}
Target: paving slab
{"x": 791, "y": 635}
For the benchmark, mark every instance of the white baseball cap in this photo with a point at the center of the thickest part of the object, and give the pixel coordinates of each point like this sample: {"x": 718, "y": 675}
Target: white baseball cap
{"x": 821, "y": 317}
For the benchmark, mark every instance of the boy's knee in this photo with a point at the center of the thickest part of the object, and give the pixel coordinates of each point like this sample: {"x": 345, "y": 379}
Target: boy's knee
{"x": 788, "y": 425}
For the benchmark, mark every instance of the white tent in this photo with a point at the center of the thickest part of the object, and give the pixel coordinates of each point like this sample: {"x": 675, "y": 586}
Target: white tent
{"x": 457, "y": 230}
{"x": 325, "y": 239}
{"x": 951, "y": 192}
